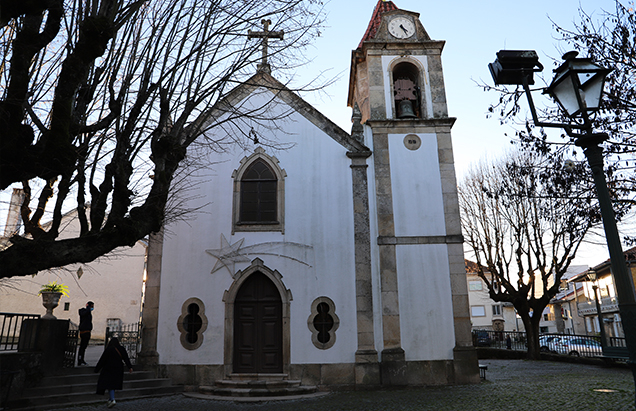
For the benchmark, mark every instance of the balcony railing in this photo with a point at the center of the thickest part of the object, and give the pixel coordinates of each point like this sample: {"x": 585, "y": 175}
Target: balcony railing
{"x": 608, "y": 305}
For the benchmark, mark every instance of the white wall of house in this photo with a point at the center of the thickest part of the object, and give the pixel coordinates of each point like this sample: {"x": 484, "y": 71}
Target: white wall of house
{"x": 113, "y": 282}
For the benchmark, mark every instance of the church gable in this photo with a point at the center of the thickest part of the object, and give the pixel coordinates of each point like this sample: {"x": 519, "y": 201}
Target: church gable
{"x": 259, "y": 94}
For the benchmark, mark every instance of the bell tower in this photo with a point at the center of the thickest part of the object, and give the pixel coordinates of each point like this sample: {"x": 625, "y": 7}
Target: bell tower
{"x": 421, "y": 300}
{"x": 396, "y": 71}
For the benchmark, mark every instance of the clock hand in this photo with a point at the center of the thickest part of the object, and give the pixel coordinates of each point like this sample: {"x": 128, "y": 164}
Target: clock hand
{"x": 405, "y": 30}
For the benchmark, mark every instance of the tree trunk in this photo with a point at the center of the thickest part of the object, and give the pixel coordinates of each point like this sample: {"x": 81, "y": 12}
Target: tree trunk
{"x": 532, "y": 333}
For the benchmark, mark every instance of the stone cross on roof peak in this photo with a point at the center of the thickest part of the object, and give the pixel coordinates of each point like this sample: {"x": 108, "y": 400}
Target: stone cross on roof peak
{"x": 266, "y": 34}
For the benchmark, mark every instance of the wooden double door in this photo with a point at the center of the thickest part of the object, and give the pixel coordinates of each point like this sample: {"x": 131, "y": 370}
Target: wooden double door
{"x": 258, "y": 327}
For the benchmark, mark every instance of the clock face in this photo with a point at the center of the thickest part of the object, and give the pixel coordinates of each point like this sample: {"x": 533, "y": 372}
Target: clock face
{"x": 401, "y": 27}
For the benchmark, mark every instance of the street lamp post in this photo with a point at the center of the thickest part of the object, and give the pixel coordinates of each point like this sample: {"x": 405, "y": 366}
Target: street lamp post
{"x": 577, "y": 87}
{"x": 592, "y": 276}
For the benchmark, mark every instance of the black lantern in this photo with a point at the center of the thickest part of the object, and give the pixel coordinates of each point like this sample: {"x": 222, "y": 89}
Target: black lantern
{"x": 578, "y": 84}
{"x": 515, "y": 66}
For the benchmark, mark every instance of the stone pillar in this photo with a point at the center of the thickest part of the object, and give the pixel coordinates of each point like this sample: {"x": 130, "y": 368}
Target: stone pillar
{"x": 366, "y": 370}
{"x": 465, "y": 356}
{"x": 392, "y": 367}
{"x": 148, "y": 356}
{"x": 13, "y": 215}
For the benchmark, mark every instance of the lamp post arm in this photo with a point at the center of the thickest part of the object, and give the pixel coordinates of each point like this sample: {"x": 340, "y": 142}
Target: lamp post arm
{"x": 535, "y": 118}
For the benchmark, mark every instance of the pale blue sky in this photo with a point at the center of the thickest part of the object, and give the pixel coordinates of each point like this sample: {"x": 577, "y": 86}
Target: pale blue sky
{"x": 474, "y": 31}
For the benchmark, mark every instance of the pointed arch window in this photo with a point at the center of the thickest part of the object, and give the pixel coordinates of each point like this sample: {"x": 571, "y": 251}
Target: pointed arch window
{"x": 259, "y": 194}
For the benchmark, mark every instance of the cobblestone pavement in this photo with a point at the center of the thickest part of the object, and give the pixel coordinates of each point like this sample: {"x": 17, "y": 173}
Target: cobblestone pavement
{"x": 510, "y": 385}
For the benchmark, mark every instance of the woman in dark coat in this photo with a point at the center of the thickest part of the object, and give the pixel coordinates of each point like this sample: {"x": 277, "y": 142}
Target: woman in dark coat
{"x": 111, "y": 365}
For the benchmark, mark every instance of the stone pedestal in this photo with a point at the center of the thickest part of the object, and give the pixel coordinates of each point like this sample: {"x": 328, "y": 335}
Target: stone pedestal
{"x": 466, "y": 365}
{"x": 393, "y": 367}
{"x": 49, "y": 338}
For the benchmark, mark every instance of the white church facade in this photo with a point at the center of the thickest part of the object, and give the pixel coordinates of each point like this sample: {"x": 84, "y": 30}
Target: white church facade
{"x": 327, "y": 257}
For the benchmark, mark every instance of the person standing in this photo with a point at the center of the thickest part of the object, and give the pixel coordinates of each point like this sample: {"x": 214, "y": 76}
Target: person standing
{"x": 111, "y": 370}
{"x": 85, "y": 328}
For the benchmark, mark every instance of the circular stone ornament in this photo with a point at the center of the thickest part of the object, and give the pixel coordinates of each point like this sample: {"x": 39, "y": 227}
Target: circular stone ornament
{"x": 412, "y": 142}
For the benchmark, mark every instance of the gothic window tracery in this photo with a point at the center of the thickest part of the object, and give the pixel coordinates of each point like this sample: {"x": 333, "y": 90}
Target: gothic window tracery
{"x": 259, "y": 194}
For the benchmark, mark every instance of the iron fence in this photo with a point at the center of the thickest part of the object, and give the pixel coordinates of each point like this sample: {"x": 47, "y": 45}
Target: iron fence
{"x": 70, "y": 348}
{"x": 511, "y": 340}
{"x": 10, "y": 330}
{"x": 565, "y": 344}
{"x": 129, "y": 336}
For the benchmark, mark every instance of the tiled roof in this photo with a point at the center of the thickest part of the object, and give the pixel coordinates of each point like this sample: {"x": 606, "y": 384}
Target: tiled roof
{"x": 472, "y": 267}
{"x": 380, "y": 8}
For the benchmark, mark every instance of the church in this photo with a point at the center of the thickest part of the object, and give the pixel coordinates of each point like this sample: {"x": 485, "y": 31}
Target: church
{"x": 329, "y": 257}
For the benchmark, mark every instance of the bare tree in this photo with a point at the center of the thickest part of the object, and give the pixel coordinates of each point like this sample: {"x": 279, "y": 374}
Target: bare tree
{"x": 100, "y": 100}
{"x": 524, "y": 224}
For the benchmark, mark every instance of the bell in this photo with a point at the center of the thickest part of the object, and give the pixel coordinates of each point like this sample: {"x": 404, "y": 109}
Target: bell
{"x": 405, "y": 109}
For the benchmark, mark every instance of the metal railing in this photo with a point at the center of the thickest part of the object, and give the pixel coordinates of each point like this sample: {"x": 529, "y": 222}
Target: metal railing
{"x": 10, "y": 329}
{"x": 511, "y": 340}
{"x": 129, "y": 336}
{"x": 70, "y": 348}
{"x": 565, "y": 344}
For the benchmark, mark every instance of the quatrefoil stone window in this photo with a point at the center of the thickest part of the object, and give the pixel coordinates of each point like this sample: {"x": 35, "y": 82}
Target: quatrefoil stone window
{"x": 323, "y": 323}
{"x": 192, "y": 323}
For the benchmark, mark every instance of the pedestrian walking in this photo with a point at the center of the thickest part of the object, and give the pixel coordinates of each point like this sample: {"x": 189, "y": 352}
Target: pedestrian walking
{"x": 85, "y": 328}
{"x": 111, "y": 370}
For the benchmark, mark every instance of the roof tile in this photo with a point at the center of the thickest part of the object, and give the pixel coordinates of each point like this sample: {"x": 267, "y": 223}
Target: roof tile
{"x": 380, "y": 8}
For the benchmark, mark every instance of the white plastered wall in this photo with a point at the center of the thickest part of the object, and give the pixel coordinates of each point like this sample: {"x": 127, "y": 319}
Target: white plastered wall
{"x": 423, "y": 269}
{"x": 314, "y": 255}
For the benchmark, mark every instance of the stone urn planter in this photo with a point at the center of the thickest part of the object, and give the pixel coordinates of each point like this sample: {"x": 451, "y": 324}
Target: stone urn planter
{"x": 50, "y": 300}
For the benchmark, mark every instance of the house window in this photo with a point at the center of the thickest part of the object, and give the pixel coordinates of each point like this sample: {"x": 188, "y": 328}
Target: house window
{"x": 478, "y": 311}
{"x": 475, "y": 285}
{"x": 496, "y": 309}
{"x": 259, "y": 194}
{"x": 67, "y": 306}
{"x": 192, "y": 323}
{"x": 323, "y": 323}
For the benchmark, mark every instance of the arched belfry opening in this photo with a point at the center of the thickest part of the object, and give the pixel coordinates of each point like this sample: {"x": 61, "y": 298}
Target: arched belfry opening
{"x": 406, "y": 90}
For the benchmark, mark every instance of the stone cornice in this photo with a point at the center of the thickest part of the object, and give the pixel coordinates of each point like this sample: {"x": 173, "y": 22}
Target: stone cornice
{"x": 433, "y": 239}
{"x": 388, "y": 125}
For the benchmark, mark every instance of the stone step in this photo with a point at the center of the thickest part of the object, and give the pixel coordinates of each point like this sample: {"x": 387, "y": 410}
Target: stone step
{"x": 72, "y": 378}
{"x": 257, "y": 388}
{"x": 90, "y": 387}
{"x": 48, "y": 402}
{"x": 77, "y": 386}
{"x": 257, "y": 383}
{"x": 258, "y": 377}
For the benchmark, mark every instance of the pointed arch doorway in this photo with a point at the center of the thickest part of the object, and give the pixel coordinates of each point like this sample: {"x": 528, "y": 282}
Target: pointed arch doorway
{"x": 258, "y": 327}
